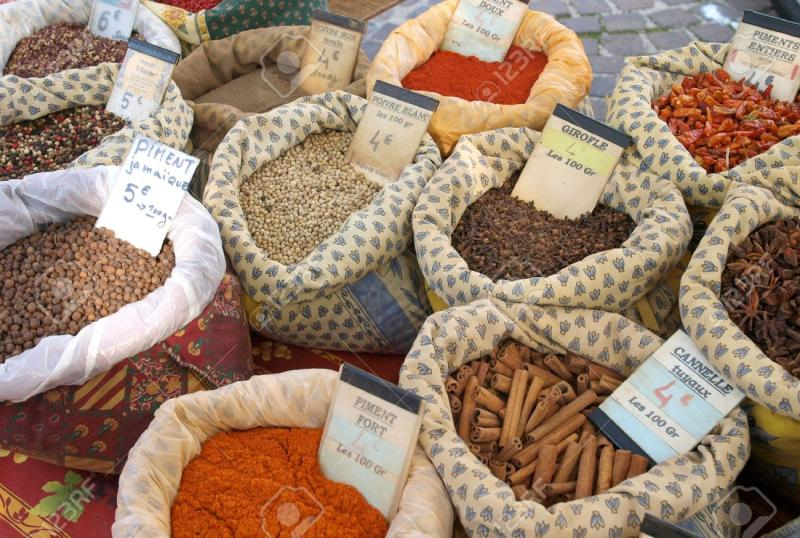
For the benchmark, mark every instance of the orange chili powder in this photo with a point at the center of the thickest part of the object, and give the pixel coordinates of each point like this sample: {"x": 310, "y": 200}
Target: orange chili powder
{"x": 506, "y": 83}
{"x": 268, "y": 480}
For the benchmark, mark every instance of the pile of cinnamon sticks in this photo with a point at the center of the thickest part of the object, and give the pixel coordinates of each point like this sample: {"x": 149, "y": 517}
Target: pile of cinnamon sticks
{"x": 523, "y": 414}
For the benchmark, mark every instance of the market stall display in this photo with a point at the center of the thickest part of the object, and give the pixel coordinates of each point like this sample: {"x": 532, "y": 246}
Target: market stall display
{"x": 222, "y": 474}
{"x": 59, "y": 120}
{"x": 751, "y": 139}
{"x": 360, "y": 288}
{"x": 565, "y": 78}
{"x": 738, "y": 308}
{"x": 227, "y": 79}
{"x": 25, "y": 18}
{"x": 225, "y": 19}
{"x": 621, "y": 270}
{"x": 694, "y": 486}
{"x": 299, "y": 399}
{"x": 64, "y": 359}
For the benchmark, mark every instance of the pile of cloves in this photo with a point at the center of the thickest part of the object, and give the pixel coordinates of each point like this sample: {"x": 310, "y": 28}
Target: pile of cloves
{"x": 524, "y": 415}
{"x": 760, "y": 290}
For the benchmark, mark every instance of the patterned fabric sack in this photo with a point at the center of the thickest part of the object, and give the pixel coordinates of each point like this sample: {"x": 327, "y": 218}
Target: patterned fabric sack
{"x": 299, "y": 399}
{"x": 233, "y": 16}
{"x": 28, "y": 99}
{"x": 93, "y": 426}
{"x": 695, "y": 484}
{"x": 565, "y": 79}
{"x": 39, "y": 200}
{"x": 22, "y": 18}
{"x": 776, "y": 432}
{"x": 614, "y": 280}
{"x": 227, "y": 79}
{"x": 360, "y": 289}
{"x": 645, "y": 78}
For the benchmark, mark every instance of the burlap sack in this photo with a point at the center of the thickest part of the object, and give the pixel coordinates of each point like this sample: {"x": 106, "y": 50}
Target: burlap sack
{"x": 22, "y": 18}
{"x": 360, "y": 290}
{"x": 614, "y": 280}
{"x": 675, "y": 490}
{"x": 233, "y": 16}
{"x": 28, "y": 99}
{"x": 645, "y": 78}
{"x": 299, "y": 399}
{"x": 776, "y": 415}
{"x": 565, "y": 79}
{"x": 227, "y": 79}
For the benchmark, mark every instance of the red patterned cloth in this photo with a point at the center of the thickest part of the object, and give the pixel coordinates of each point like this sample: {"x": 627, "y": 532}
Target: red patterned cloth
{"x": 93, "y": 426}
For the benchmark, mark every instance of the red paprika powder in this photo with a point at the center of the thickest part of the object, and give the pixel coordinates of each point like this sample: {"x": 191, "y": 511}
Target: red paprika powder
{"x": 267, "y": 482}
{"x": 506, "y": 83}
{"x": 195, "y": 6}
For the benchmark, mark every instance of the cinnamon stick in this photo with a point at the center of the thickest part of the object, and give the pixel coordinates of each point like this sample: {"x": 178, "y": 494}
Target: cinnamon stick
{"x": 527, "y": 407}
{"x": 455, "y": 403}
{"x": 569, "y": 462}
{"x": 489, "y": 401}
{"x": 480, "y": 435}
{"x": 565, "y": 413}
{"x": 586, "y": 469}
{"x": 521, "y": 475}
{"x": 571, "y": 438}
{"x": 468, "y": 405}
{"x": 500, "y": 383}
{"x": 514, "y": 407}
{"x": 510, "y": 356}
{"x": 605, "y": 466}
{"x": 545, "y": 467}
{"x": 500, "y": 368}
{"x": 557, "y": 367}
{"x": 583, "y": 383}
{"x": 637, "y": 466}
{"x": 549, "y": 378}
{"x": 559, "y": 488}
{"x": 484, "y": 418}
{"x": 498, "y": 469}
{"x": 482, "y": 373}
{"x": 622, "y": 460}
{"x": 513, "y": 446}
{"x": 529, "y": 453}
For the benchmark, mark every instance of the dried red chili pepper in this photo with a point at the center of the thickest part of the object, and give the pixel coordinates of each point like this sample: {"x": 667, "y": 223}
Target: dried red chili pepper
{"x": 723, "y": 122}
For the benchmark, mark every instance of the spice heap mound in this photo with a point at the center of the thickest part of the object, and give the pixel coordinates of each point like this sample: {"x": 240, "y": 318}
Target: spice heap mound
{"x": 760, "y": 290}
{"x": 506, "y": 238}
{"x": 194, "y": 6}
{"x": 523, "y": 414}
{"x": 467, "y": 77}
{"x": 63, "y": 279}
{"x": 296, "y": 201}
{"x": 723, "y": 122}
{"x": 267, "y": 482}
{"x": 59, "y": 47}
{"x": 53, "y": 141}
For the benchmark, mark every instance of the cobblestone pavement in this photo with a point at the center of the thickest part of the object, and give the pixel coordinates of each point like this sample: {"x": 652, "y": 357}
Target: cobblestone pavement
{"x": 610, "y": 29}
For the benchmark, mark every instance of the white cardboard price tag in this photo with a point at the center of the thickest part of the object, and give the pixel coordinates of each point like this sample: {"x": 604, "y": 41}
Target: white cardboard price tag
{"x": 331, "y": 52}
{"x": 370, "y": 435}
{"x": 766, "y": 51}
{"x": 669, "y": 403}
{"x": 147, "y": 193}
{"x": 142, "y": 80}
{"x": 389, "y": 133}
{"x": 570, "y": 166}
{"x": 113, "y": 19}
{"x": 484, "y": 28}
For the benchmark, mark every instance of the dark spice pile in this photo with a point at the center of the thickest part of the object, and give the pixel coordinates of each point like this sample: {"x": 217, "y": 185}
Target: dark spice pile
{"x": 506, "y": 238}
{"x": 59, "y": 47}
{"x": 63, "y": 279}
{"x": 760, "y": 290}
{"x": 467, "y": 77}
{"x": 723, "y": 122}
{"x": 53, "y": 141}
{"x": 524, "y": 415}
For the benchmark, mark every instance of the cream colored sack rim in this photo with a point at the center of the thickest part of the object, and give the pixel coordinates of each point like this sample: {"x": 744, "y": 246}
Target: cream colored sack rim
{"x": 150, "y": 480}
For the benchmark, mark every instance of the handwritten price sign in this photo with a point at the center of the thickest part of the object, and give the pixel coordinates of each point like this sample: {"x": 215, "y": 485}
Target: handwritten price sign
{"x": 147, "y": 194}
{"x": 670, "y": 403}
{"x": 113, "y": 19}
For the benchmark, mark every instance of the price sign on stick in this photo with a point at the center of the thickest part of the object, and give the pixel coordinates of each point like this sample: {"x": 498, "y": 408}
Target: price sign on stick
{"x": 113, "y": 18}
{"x": 142, "y": 80}
{"x": 765, "y": 51}
{"x": 569, "y": 167}
{"x": 669, "y": 403}
{"x": 484, "y": 28}
{"x": 331, "y": 52}
{"x": 147, "y": 194}
{"x": 389, "y": 134}
{"x": 370, "y": 435}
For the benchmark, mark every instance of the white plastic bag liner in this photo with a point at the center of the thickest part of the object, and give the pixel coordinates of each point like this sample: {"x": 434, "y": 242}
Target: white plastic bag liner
{"x": 149, "y": 482}
{"x": 29, "y": 205}
{"x": 23, "y": 18}
{"x": 678, "y": 489}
